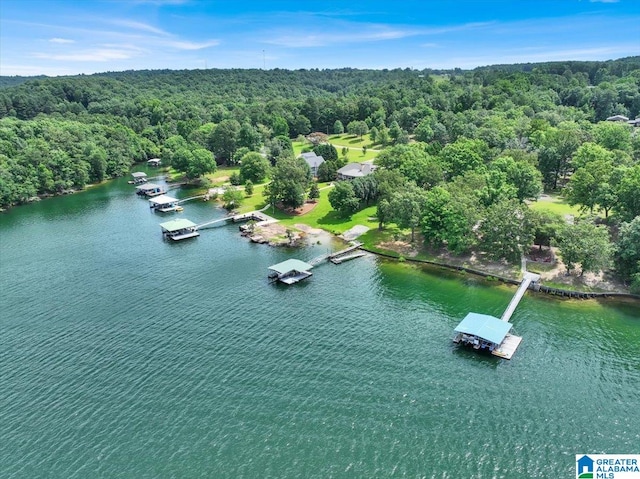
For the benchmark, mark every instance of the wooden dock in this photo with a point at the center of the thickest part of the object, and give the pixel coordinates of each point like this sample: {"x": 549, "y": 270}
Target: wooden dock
{"x": 513, "y": 304}
{"x": 343, "y": 255}
{"x": 347, "y": 257}
{"x": 490, "y": 333}
{"x": 507, "y": 347}
{"x": 258, "y": 216}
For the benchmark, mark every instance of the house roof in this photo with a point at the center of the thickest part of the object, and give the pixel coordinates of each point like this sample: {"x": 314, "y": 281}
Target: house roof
{"x": 312, "y": 159}
{"x": 154, "y": 160}
{"x": 618, "y": 118}
{"x": 484, "y": 326}
{"x": 139, "y": 174}
{"x": 177, "y": 225}
{"x": 163, "y": 200}
{"x": 290, "y": 265}
{"x": 356, "y": 170}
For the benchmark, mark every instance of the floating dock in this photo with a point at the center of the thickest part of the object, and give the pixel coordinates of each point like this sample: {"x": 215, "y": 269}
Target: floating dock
{"x": 149, "y": 190}
{"x": 164, "y": 203}
{"x": 346, "y": 254}
{"x": 180, "y": 229}
{"x": 486, "y": 332}
{"x": 290, "y": 271}
{"x": 139, "y": 177}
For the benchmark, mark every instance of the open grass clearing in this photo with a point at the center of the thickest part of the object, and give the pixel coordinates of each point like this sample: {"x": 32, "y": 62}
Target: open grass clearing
{"x": 555, "y": 204}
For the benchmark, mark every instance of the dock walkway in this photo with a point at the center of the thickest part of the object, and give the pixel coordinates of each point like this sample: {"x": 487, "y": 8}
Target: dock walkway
{"x": 524, "y": 285}
{"x": 339, "y": 256}
{"x": 259, "y": 216}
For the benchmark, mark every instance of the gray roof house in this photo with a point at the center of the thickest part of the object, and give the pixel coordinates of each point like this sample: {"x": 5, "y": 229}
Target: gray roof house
{"x": 313, "y": 161}
{"x": 356, "y": 170}
{"x": 618, "y": 118}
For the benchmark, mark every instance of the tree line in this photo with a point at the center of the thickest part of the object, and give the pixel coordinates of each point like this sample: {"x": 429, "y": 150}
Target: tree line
{"x": 463, "y": 150}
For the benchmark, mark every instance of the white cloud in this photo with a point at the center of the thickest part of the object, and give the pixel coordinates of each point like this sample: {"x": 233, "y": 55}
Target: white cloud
{"x": 361, "y": 33}
{"x": 61, "y": 40}
{"x": 93, "y": 55}
{"x": 187, "y": 45}
{"x": 145, "y": 27}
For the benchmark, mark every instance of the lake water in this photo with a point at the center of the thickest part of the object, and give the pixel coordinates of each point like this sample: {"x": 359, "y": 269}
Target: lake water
{"x": 123, "y": 355}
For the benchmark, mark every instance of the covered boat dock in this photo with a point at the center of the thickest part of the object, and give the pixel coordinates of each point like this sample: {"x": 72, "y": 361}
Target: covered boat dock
{"x": 290, "y": 271}
{"x": 150, "y": 190}
{"x": 485, "y": 332}
{"x": 139, "y": 177}
{"x": 179, "y": 229}
{"x": 165, "y": 203}
{"x": 154, "y": 162}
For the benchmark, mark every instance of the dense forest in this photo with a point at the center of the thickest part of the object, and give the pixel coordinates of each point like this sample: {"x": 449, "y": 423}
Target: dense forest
{"x": 463, "y": 151}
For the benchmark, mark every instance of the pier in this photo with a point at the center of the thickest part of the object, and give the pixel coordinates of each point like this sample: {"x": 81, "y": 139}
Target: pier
{"x": 346, "y": 254}
{"x": 204, "y": 197}
{"x": 524, "y": 285}
{"x": 486, "y": 332}
{"x": 340, "y": 256}
{"x": 258, "y": 216}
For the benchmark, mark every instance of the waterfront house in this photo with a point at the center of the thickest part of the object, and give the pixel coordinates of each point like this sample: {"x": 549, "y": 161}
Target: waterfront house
{"x": 313, "y": 160}
{"x": 618, "y": 118}
{"x": 154, "y": 162}
{"x": 356, "y": 170}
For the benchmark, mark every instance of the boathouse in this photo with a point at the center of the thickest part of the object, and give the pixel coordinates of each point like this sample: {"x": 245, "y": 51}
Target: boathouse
{"x": 154, "y": 162}
{"x": 179, "y": 229}
{"x": 290, "y": 271}
{"x": 481, "y": 331}
{"x": 149, "y": 190}
{"x": 164, "y": 203}
{"x": 139, "y": 177}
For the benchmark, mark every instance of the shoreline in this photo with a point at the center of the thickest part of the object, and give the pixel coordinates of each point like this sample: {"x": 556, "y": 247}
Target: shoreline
{"x": 552, "y": 291}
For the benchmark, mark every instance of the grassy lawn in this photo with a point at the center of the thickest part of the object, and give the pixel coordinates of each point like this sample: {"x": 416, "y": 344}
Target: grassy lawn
{"x": 354, "y": 143}
{"x": 222, "y": 175}
{"x": 555, "y": 204}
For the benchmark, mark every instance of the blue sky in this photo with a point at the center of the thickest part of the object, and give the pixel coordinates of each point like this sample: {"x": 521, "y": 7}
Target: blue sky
{"x": 61, "y": 37}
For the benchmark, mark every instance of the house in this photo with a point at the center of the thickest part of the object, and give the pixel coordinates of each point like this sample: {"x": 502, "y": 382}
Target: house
{"x": 618, "y": 118}
{"x": 356, "y": 170}
{"x": 313, "y": 161}
{"x": 154, "y": 162}
{"x": 634, "y": 123}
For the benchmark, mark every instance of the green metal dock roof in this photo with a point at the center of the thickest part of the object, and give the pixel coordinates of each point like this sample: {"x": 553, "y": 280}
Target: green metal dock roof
{"x": 177, "y": 225}
{"x": 290, "y": 265}
{"x": 484, "y": 326}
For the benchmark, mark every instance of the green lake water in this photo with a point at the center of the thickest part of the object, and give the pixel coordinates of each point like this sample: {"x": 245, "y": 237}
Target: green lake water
{"x": 123, "y": 355}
